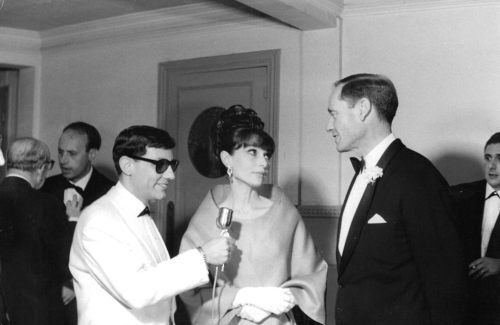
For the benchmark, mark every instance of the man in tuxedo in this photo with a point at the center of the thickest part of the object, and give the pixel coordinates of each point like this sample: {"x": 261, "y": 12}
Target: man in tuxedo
{"x": 398, "y": 254}
{"x": 78, "y": 185}
{"x": 33, "y": 238}
{"x": 122, "y": 270}
{"x": 478, "y": 207}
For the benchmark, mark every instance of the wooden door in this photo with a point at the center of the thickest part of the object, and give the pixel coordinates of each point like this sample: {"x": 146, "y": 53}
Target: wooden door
{"x": 8, "y": 107}
{"x": 190, "y": 87}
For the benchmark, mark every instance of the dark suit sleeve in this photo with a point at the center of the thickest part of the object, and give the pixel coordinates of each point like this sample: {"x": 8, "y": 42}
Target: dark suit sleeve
{"x": 55, "y": 236}
{"x": 436, "y": 248}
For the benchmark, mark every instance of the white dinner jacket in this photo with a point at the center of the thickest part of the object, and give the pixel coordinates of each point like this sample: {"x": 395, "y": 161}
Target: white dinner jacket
{"x": 121, "y": 268}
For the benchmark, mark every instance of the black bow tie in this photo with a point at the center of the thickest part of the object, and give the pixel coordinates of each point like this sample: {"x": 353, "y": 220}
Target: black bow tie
{"x": 78, "y": 189}
{"x": 357, "y": 164}
{"x": 492, "y": 194}
{"x": 144, "y": 212}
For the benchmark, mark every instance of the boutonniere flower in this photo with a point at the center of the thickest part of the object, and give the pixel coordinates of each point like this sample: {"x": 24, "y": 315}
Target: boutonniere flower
{"x": 371, "y": 174}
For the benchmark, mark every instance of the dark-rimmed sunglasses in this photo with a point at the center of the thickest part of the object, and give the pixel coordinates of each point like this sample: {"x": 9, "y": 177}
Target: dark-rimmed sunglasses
{"x": 161, "y": 165}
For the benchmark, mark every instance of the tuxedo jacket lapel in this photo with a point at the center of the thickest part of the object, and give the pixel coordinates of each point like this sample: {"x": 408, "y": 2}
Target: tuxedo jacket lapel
{"x": 493, "y": 249}
{"x": 476, "y": 214}
{"x": 361, "y": 215}
{"x": 341, "y": 214}
{"x": 494, "y": 243}
{"x": 475, "y": 210}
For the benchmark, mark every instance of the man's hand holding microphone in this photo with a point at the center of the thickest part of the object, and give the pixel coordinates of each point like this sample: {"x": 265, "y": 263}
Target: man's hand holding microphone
{"x": 217, "y": 251}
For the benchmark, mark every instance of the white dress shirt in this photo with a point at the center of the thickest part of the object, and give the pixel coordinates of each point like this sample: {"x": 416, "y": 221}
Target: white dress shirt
{"x": 490, "y": 216}
{"x": 358, "y": 189}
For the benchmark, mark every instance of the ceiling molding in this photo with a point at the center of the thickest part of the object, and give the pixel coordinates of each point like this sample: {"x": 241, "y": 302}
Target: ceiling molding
{"x": 19, "y": 39}
{"x": 304, "y": 15}
{"x": 402, "y": 6}
{"x": 187, "y": 18}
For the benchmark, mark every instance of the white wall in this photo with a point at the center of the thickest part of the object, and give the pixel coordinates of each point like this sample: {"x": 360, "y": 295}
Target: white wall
{"x": 113, "y": 84}
{"x": 443, "y": 61}
{"x": 320, "y": 161}
{"x": 445, "y": 64}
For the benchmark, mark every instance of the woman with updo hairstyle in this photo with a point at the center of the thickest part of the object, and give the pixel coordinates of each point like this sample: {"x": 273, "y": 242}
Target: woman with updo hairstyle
{"x": 275, "y": 265}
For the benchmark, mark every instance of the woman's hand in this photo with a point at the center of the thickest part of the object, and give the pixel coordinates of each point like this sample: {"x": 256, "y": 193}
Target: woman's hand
{"x": 271, "y": 299}
{"x": 253, "y": 314}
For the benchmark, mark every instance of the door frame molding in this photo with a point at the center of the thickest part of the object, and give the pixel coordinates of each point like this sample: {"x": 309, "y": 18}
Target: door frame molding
{"x": 167, "y": 116}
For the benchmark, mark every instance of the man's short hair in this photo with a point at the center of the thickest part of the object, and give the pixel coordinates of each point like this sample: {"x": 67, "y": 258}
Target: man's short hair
{"x": 134, "y": 141}
{"x": 494, "y": 139}
{"x": 27, "y": 154}
{"x": 93, "y": 136}
{"x": 378, "y": 89}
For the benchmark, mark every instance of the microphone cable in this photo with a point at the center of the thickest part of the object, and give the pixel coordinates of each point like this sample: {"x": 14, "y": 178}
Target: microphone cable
{"x": 214, "y": 321}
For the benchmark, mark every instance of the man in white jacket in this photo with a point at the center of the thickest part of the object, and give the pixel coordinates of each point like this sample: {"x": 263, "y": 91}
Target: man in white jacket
{"x": 121, "y": 268}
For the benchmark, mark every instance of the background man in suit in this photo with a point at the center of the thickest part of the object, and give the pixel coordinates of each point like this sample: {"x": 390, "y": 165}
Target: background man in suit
{"x": 33, "y": 238}
{"x": 398, "y": 256}
{"x": 122, "y": 270}
{"x": 478, "y": 207}
{"x": 78, "y": 185}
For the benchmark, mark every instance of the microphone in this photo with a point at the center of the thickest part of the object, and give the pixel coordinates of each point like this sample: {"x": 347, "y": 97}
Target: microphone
{"x": 223, "y": 222}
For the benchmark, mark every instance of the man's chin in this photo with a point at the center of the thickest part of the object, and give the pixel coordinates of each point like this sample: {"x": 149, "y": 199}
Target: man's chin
{"x": 495, "y": 183}
{"x": 160, "y": 195}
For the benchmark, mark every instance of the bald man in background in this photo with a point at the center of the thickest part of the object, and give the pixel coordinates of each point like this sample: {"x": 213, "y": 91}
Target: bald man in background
{"x": 78, "y": 185}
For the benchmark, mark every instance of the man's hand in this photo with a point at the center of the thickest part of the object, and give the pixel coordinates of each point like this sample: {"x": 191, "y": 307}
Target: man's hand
{"x": 74, "y": 207}
{"x": 218, "y": 251}
{"x": 67, "y": 295}
{"x": 253, "y": 314}
{"x": 484, "y": 267}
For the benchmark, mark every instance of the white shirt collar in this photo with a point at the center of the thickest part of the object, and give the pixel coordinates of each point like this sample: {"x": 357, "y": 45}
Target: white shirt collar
{"x": 82, "y": 182}
{"x": 128, "y": 204}
{"x": 489, "y": 190}
{"x": 374, "y": 155}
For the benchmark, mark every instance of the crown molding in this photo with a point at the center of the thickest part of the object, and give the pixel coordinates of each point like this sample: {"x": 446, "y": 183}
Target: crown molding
{"x": 19, "y": 39}
{"x": 402, "y": 6}
{"x": 182, "y": 19}
{"x": 303, "y": 15}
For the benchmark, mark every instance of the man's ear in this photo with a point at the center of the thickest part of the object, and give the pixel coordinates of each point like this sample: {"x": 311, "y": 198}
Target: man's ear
{"x": 365, "y": 108}
{"x": 226, "y": 159}
{"x": 38, "y": 177}
{"x": 126, "y": 165}
{"x": 92, "y": 154}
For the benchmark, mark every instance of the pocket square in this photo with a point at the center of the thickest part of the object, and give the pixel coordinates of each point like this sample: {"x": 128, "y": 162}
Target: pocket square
{"x": 377, "y": 218}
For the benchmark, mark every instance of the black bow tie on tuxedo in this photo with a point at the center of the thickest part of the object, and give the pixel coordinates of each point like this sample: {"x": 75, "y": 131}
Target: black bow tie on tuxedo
{"x": 492, "y": 194}
{"x": 78, "y": 189}
{"x": 357, "y": 164}
{"x": 144, "y": 212}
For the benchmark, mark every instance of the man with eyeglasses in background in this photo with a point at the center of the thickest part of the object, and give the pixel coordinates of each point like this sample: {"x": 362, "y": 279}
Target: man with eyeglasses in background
{"x": 33, "y": 235}
{"x": 121, "y": 268}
